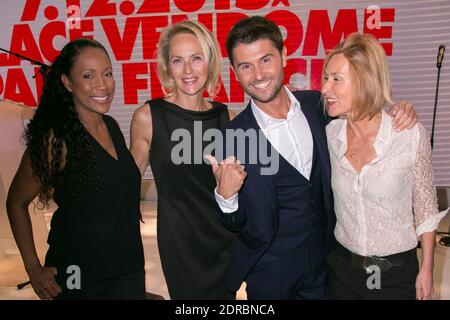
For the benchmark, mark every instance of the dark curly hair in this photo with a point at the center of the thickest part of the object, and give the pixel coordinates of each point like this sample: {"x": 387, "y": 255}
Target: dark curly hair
{"x": 55, "y": 124}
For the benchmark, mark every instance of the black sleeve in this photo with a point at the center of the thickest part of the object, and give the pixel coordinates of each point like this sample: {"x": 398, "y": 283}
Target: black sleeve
{"x": 233, "y": 221}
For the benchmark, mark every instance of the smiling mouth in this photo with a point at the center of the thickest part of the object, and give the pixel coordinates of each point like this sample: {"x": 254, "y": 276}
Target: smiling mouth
{"x": 190, "y": 80}
{"x": 331, "y": 101}
{"x": 262, "y": 85}
{"x": 100, "y": 98}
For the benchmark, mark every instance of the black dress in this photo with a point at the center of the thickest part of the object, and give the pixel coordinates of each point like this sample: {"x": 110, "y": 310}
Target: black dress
{"x": 101, "y": 236}
{"x": 194, "y": 247}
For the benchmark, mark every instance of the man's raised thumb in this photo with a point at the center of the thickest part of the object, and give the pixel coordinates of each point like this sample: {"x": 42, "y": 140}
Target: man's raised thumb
{"x": 212, "y": 160}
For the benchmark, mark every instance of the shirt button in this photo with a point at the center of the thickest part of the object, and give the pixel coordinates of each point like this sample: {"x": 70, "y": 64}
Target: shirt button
{"x": 312, "y": 202}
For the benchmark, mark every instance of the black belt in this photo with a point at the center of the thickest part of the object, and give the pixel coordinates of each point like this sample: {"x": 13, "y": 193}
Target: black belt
{"x": 384, "y": 263}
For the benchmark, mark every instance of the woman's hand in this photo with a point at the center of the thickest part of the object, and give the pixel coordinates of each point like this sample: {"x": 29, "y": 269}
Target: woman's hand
{"x": 44, "y": 283}
{"x": 424, "y": 285}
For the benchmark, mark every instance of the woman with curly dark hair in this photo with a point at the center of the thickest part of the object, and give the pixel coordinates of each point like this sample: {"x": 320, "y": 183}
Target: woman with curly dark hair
{"x": 77, "y": 156}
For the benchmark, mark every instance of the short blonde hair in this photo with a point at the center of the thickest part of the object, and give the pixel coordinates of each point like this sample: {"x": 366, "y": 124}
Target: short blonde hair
{"x": 210, "y": 49}
{"x": 369, "y": 72}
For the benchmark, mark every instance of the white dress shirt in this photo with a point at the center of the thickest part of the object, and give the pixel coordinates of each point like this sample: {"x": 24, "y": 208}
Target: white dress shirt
{"x": 392, "y": 201}
{"x": 291, "y": 138}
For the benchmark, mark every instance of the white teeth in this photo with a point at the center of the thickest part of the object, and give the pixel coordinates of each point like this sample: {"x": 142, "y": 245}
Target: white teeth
{"x": 189, "y": 81}
{"x": 262, "y": 85}
{"x": 332, "y": 100}
{"x": 100, "y": 99}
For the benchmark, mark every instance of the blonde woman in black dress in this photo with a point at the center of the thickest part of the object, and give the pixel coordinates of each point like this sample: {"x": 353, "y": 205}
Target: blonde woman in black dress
{"x": 193, "y": 245}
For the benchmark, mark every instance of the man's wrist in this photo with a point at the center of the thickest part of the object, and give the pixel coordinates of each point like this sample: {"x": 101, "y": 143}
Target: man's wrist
{"x": 224, "y": 195}
{"x": 227, "y": 205}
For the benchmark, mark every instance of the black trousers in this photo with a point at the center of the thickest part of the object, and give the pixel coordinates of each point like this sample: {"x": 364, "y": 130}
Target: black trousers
{"x": 127, "y": 287}
{"x": 347, "y": 281}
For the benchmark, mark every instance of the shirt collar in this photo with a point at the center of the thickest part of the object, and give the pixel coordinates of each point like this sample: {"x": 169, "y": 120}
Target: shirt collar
{"x": 266, "y": 122}
{"x": 383, "y": 138}
{"x": 381, "y": 141}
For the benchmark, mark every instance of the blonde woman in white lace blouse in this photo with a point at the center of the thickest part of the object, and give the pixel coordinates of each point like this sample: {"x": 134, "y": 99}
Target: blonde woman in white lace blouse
{"x": 382, "y": 182}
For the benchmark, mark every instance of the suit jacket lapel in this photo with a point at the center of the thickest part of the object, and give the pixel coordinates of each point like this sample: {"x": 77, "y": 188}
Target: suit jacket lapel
{"x": 318, "y": 133}
{"x": 251, "y": 123}
{"x": 316, "y": 127}
{"x": 250, "y": 117}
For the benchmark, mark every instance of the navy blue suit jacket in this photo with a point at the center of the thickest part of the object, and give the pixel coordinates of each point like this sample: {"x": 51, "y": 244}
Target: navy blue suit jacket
{"x": 256, "y": 220}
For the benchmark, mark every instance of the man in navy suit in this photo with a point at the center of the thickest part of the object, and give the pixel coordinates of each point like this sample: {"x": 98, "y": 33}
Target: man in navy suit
{"x": 285, "y": 220}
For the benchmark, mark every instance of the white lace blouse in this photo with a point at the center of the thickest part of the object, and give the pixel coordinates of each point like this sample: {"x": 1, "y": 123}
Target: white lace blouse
{"x": 392, "y": 201}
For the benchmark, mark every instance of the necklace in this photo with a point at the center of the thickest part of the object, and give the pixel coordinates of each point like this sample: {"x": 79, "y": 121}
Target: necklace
{"x": 351, "y": 153}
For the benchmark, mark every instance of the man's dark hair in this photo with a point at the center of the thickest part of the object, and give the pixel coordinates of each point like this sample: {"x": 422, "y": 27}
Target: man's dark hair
{"x": 251, "y": 29}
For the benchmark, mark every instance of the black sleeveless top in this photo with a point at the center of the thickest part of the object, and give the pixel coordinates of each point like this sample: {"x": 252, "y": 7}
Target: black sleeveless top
{"x": 194, "y": 247}
{"x": 101, "y": 236}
